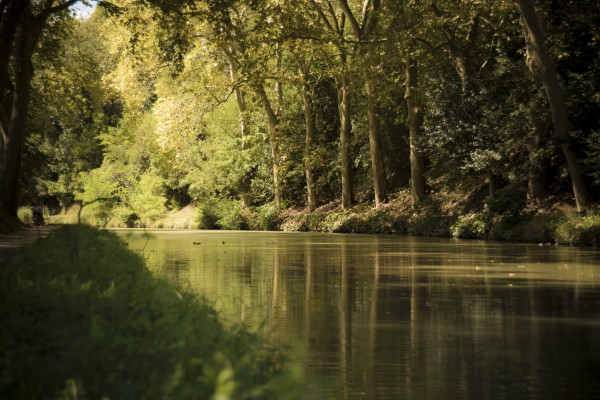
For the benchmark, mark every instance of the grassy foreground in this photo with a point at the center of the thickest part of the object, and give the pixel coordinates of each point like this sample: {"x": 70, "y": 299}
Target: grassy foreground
{"x": 81, "y": 317}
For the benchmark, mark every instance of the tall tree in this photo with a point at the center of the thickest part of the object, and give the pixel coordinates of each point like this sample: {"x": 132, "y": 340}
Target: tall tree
{"x": 415, "y": 126}
{"x": 535, "y": 40}
{"x": 364, "y": 31}
{"x": 310, "y": 127}
{"x": 30, "y": 26}
{"x": 334, "y": 26}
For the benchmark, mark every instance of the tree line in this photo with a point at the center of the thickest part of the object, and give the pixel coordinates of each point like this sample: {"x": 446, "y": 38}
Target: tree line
{"x": 150, "y": 105}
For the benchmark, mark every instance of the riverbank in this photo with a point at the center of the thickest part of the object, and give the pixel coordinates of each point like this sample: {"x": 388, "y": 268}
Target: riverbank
{"x": 83, "y": 317}
{"x": 509, "y": 216}
{"x": 446, "y": 215}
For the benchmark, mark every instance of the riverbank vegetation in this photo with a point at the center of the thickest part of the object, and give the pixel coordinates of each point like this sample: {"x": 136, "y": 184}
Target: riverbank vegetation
{"x": 473, "y": 119}
{"x": 83, "y": 317}
{"x": 508, "y": 216}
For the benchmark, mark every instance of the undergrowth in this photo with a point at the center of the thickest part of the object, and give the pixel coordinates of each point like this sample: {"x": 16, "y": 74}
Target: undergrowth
{"x": 81, "y": 317}
{"x": 509, "y": 216}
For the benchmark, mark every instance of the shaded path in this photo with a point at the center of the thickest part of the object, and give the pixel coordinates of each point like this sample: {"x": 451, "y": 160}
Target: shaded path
{"x": 11, "y": 244}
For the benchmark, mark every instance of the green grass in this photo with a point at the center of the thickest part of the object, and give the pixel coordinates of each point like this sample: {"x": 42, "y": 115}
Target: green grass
{"x": 81, "y": 316}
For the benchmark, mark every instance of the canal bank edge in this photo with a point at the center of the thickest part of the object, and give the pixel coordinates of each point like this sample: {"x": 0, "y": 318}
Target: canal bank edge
{"x": 499, "y": 219}
{"x": 468, "y": 215}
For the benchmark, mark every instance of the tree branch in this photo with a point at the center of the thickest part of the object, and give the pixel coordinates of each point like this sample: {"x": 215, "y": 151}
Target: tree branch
{"x": 323, "y": 16}
{"x": 353, "y": 22}
{"x": 59, "y": 8}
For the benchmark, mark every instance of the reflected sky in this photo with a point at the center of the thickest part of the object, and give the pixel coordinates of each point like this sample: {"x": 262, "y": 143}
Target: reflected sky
{"x": 388, "y": 317}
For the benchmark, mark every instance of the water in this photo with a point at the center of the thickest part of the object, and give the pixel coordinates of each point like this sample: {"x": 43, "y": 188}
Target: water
{"x": 393, "y": 317}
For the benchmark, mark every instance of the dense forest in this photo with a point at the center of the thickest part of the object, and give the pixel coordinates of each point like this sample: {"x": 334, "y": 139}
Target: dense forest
{"x": 239, "y": 109}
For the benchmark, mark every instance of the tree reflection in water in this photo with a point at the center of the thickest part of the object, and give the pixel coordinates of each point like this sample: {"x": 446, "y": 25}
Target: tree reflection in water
{"x": 399, "y": 317}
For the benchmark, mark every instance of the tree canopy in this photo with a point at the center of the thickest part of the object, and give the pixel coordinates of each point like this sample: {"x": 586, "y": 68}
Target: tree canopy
{"x": 151, "y": 105}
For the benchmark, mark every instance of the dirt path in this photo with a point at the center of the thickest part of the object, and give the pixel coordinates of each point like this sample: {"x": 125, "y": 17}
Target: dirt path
{"x": 12, "y": 243}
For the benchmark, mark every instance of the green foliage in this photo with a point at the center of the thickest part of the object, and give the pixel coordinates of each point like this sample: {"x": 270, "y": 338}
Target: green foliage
{"x": 579, "y": 229}
{"x": 470, "y": 226}
{"x": 231, "y": 216}
{"x": 69, "y": 107}
{"x": 159, "y": 105}
{"x": 592, "y": 159}
{"x": 148, "y": 197}
{"x": 25, "y": 215}
{"x": 83, "y": 317}
{"x": 222, "y": 214}
{"x": 269, "y": 217}
{"x": 500, "y": 217}
{"x": 208, "y": 215}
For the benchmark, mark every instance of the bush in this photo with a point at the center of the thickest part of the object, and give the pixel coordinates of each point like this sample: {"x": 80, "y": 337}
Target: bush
{"x": 576, "y": 229}
{"x": 231, "y": 216}
{"x": 510, "y": 201}
{"x": 208, "y": 216}
{"x": 25, "y": 215}
{"x": 222, "y": 214}
{"x": 469, "y": 226}
{"x": 269, "y": 217}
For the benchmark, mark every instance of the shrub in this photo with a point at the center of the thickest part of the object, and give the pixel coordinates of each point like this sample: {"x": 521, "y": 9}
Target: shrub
{"x": 510, "y": 201}
{"x": 579, "y": 230}
{"x": 208, "y": 216}
{"x": 269, "y": 217}
{"x": 470, "y": 226}
{"x": 231, "y": 216}
{"x": 25, "y": 215}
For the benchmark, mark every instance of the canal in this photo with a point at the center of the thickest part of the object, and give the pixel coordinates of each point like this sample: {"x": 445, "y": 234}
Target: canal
{"x": 398, "y": 317}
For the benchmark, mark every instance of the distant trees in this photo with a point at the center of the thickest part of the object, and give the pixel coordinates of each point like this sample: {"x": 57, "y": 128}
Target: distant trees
{"x": 300, "y": 103}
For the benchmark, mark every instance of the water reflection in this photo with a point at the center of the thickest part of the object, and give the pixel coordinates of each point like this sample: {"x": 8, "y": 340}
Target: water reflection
{"x": 382, "y": 317}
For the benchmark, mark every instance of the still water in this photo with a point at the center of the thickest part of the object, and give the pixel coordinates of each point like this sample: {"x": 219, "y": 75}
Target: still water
{"x": 395, "y": 317}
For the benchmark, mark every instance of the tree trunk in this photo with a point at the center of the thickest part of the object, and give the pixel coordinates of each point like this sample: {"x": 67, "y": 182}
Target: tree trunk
{"x": 534, "y": 37}
{"x": 241, "y": 103}
{"x": 461, "y": 66}
{"x": 493, "y": 184}
{"x": 11, "y": 16}
{"x": 415, "y": 125}
{"x": 379, "y": 184}
{"x": 272, "y": 129}
{"x": 309, "y": 120}
{"x": 537, "y": 182}
{"x": 10, "y": 168}
{"x": 345, "y": 136}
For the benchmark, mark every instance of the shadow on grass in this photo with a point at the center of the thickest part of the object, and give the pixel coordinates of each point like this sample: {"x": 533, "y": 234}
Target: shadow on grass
{"x": 82, "y": 317}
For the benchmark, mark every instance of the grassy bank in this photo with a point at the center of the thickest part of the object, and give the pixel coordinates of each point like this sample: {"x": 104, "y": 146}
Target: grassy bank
{"x": 468, "y": 214}
{"x": 507, "y": 217}
{"x": 82, "y": 317}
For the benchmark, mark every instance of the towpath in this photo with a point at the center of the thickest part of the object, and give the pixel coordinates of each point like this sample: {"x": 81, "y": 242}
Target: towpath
{"x": 11, "y": 244}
